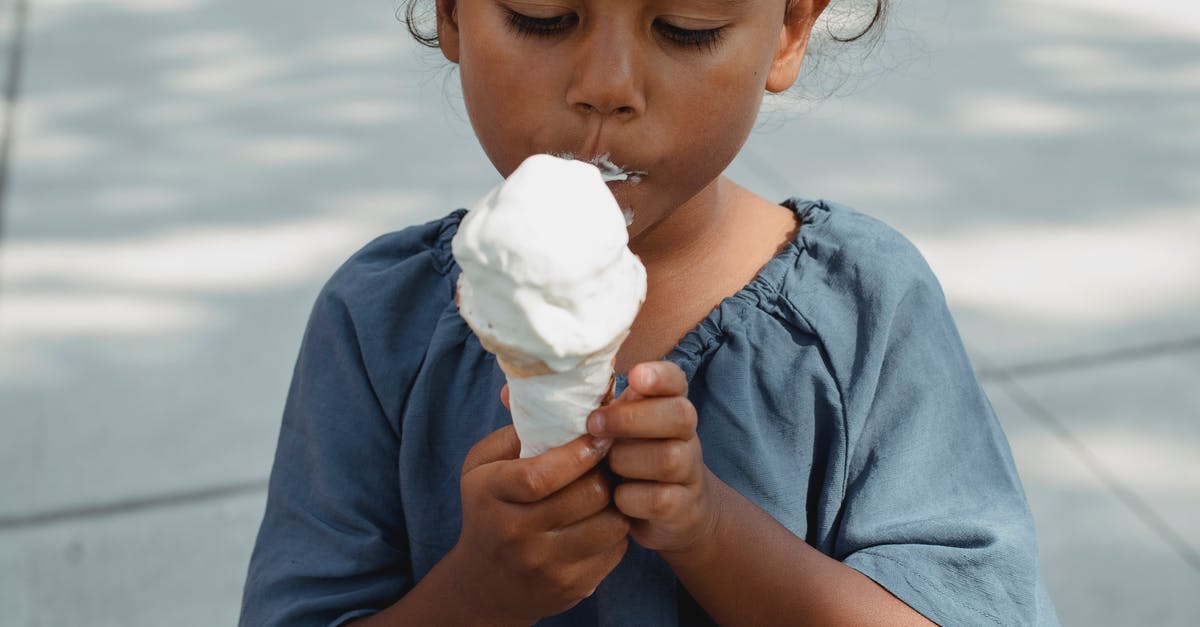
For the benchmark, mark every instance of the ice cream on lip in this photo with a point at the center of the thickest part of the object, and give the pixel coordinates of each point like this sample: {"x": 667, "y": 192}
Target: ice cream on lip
{"x": 549, "y": 285}
{"x": 609, "y": 171}
{"x": 612, "y": 173}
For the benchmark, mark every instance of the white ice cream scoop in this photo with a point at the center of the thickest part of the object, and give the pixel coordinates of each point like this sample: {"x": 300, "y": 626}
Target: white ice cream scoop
{"x": 549, "y": 286}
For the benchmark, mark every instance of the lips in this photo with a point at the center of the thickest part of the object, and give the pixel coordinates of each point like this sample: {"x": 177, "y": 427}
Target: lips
{"x": 609, "y": 171}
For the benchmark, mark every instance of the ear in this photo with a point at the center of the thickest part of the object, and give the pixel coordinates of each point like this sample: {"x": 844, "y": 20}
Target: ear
{"x": 793, "y": 41}
{"x": 447, "y": 28}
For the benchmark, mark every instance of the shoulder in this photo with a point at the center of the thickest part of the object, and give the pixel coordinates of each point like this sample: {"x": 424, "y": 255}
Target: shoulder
{"x": 865, "y": 291}
{"x": 391, "y": 263}
{"x": 381, "y": 309}
{"x": 869, "y": 260}
{"x": 853, "y": 274}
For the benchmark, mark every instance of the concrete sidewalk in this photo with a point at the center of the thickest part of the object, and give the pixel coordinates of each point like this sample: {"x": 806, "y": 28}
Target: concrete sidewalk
{"x": 183, "y": 175}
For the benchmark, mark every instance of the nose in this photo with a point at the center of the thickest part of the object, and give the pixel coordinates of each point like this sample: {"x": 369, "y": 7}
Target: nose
{"x": 607, "y": 80}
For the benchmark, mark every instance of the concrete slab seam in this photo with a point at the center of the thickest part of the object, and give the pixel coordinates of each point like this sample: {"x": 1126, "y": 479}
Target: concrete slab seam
{"x": 1077, "y": 362}
{"x": 131, "y": 506}
{"x": 1140, "y": 508}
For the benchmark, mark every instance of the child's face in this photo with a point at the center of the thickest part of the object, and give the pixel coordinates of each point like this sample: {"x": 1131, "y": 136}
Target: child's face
{"x": 667, "y": 87}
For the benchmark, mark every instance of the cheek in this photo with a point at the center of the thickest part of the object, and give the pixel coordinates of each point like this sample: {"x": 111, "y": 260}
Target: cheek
{"x": 717, "y": 110}
{"x": 503, "y": 104}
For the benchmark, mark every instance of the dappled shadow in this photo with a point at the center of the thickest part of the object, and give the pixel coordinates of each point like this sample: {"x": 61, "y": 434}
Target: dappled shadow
{"x": 186, "y": 174}
{"x": 1043, "y": 156}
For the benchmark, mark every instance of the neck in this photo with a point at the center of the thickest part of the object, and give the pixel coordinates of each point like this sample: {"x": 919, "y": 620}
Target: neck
{"x": 687, "y": 235}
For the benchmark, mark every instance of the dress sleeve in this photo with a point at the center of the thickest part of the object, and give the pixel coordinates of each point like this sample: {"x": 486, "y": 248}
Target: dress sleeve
{"x": 333, "y": 544}
{"x": 933, "y": 508}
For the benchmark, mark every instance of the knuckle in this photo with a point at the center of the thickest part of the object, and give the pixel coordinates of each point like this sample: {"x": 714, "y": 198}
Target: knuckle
{"x": 686, "y": 413}
{"x": 599, "y": 490}
{"x": 674, "y": 459}
{"x": 509, "y": 534}
{"x": 662, "y": 502}
{"x": 563, "y": 584}
{"x": 530, "y": 559}
{"x": 616, "y": 417}
{"x": 532, "y": 482}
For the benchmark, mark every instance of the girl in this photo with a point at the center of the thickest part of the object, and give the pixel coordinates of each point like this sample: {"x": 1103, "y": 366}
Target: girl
{"x": 813, "y": 448}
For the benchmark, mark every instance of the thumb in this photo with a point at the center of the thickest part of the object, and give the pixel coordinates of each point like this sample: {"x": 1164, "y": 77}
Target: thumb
{"x": 504, "y": 397}
{"x": 501, "y": 444}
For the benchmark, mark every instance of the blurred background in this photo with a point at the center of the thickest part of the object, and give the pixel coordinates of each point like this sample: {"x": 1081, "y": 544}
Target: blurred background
{"x": 179, "y": 177}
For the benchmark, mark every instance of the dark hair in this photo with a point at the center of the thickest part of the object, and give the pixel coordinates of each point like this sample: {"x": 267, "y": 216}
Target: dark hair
{"x": 415, "y": 13}
{"x": 876, "y": 19}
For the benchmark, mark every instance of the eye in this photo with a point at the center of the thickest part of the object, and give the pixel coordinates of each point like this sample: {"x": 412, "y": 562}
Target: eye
{"x": 529, "y": 26}
{"x": 707, "y": 39}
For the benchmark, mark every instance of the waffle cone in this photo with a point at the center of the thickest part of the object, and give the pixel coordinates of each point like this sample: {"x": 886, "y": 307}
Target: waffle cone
{"x": 550, "y": 408}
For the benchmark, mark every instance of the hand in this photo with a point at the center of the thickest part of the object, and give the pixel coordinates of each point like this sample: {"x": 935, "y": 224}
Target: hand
{"x": 539, "y": 534}
{"x": 668, "y": 491}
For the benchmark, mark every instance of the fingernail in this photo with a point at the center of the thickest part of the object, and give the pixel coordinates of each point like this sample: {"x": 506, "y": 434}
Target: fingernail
{"x": 648, "y": 376}
{"x": 596, "y": 423}
{"x": 601, "y": 444}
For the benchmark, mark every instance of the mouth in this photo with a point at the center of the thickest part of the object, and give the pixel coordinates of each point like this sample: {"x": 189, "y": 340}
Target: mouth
{"x": 609, "y": 171}
{"x": 612, "y": 173}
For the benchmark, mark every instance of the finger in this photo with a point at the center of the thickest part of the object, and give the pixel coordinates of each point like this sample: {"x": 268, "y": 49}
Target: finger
{"x": 629, "y": 394}
{"x": 650, "y": 500}
{"x": 580, "y": 500}
{"x": 667, "y": 417}
{"x": 498, "y": 445}
{"x": 668, "y": 461}
{"x": 658, "y": 378}
{"x": 591, "y": 535}
{"x": 534, "y": 478}
{"x": 504, "y": 397}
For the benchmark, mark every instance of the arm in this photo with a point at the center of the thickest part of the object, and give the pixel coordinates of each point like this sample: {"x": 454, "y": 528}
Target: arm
{"x": 750, "y": 570}
{"x": 741, "y": 565}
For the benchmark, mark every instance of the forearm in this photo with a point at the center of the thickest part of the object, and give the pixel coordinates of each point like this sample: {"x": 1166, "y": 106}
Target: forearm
{"x": 439, "y": 598}
{"x": 753, "y": 571}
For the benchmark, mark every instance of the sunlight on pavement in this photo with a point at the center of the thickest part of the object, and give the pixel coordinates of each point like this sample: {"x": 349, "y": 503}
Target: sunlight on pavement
{"x": 223, "y": 75}
{"x": 1008, "y": 114}
{"x": 1096, "y": 273}
{"x": 1091, "y": 68}
{"x": 38, "y": 314}
{"x": 139, "y": 6}
{"x": 1169, "y": 15}
{"x": 1159, "y": 463}
{"x": 293, "y": 151}
{"x": 224, "y": 259}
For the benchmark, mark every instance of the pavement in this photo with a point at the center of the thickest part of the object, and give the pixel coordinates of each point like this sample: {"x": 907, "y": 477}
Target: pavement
{"x": 179, "y": 177}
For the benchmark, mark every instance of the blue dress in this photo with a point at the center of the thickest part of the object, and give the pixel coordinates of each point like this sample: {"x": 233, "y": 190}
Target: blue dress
{"x": 833, "y": 391}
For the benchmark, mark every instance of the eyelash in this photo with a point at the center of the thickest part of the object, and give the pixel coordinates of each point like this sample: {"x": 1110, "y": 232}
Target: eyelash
{"x": 707, "y": 39}
{"x": 527, "y": 26}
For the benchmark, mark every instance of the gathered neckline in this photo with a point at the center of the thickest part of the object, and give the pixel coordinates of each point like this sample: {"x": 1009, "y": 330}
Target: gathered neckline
{"x": 691, "y": 350}
{"x": 695, "y": 345}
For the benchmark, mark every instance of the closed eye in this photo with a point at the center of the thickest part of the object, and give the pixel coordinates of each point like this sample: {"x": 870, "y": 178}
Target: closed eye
{"x": 706, "y": 39}
{"x": 529, "y": 26}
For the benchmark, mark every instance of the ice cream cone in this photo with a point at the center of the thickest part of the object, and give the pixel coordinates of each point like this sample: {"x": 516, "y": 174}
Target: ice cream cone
{"x": 550, "y": 287}
{"x": 550, "y": 408}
